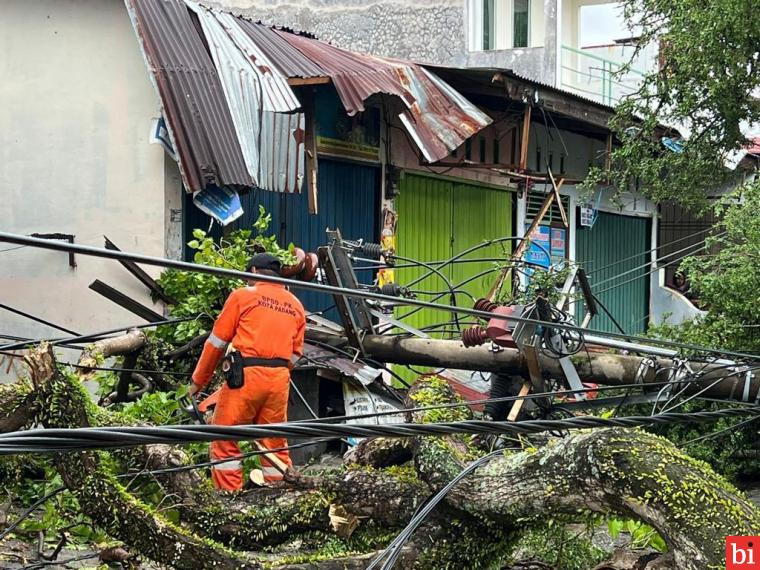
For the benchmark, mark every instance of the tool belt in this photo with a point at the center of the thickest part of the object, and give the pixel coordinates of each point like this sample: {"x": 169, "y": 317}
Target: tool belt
{"x": 234, "y": 364}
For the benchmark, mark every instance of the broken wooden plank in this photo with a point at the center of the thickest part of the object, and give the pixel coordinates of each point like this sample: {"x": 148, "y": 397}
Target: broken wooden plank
{"x": 126, "y": 302}
{"x": 525, "y": 137}
{"x": 142, "y": 276}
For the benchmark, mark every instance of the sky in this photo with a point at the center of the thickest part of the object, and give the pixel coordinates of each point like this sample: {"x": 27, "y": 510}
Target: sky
{"x": 602, "y": 24}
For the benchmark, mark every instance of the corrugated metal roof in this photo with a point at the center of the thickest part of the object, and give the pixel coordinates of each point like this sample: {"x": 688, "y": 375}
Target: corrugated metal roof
{"x": 291, "y": 62}
{"x": 260, "y": 101}
{"x": 346, "y": 366}
{"x": 484, "y": 75}
{"x": 194, "y": 107}
{"x": 438, "y": 118}
{"x": 238, "y": 123}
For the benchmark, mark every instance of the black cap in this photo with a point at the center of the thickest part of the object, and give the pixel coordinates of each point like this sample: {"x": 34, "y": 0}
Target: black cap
{"x": 264, "y": 261}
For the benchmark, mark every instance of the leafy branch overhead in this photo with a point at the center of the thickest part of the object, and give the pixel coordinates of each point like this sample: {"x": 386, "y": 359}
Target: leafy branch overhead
{"x": 201, "y": 295}
{"x": 705, "y": 87}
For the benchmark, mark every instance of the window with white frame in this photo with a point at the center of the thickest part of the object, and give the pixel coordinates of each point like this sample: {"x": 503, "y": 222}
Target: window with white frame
{"x": 500, "y": 24}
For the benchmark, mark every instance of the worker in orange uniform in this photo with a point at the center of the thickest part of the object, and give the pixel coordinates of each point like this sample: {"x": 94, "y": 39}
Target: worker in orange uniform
{"x": 265, "y": 324}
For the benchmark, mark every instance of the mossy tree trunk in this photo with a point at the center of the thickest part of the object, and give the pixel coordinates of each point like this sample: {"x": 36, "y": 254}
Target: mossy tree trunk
{"x": 627, "y": 473}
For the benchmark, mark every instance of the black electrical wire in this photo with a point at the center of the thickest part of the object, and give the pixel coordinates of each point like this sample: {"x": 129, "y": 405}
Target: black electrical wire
{"x": 607, "y": 312}
{"x": 45, "y": 563}
{"x": 55, "y": 440}
{"x": 649, "y": 251}
{"x": 137, "y": 370}
{"x": 446, "y": 281}
{"x": 180, "y": 468}
{"x": 37, "y": 319}
{"x": 719, "y": 432}
{"x": 642, "y": 276}
{"x": 459, "y": 255}
{"x": 436, "y": 263}
{"x": 393, "y": 550}
{"x": 94, "y": 336}
{"x": 195, "y": 466}
{"x": 28, "y": 512}
{"x": 530, "y": 396}
{"x": 346, "y": 292}
{"x": 695, "y": 247}
{"x": 109, "y": 368}
{"x": 635, "y": 278}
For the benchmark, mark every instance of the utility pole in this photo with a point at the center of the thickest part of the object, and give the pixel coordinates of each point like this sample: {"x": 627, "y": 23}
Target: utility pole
{"x": 713, "y": 381}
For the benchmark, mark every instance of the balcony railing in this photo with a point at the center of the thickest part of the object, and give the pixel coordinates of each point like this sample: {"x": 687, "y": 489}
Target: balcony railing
{"x": 588, "y": 73}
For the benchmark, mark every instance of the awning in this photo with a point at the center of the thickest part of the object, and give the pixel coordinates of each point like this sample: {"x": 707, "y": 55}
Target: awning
{"x": 233, "y": 117}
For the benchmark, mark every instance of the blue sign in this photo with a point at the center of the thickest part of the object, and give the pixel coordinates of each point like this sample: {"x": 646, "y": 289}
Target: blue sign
{"x": 222, "y": 204}
{"x": 540, "y": 246}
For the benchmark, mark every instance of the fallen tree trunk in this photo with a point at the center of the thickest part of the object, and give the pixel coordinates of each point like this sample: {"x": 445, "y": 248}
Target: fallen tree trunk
{"x": 18, "y": 406}
{"x": 98, "y": 351}
{"x": 625, "y": 472}
{"x": 630, "y": 473}
{"x": 102, "y": 497}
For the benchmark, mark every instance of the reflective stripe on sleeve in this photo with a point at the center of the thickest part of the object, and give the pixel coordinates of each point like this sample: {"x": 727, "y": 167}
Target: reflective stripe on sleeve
{"x": 232, "y": 465}
{"x": 217, "y": 342}
{"x": 271, "y": 473}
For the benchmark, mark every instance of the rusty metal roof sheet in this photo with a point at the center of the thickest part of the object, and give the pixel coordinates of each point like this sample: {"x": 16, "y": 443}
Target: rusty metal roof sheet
{"x": 437, "y": 117}
{"x": 235, "y": 120}
{"x": 290, "y": 61}
{"x": 346, "y": 366}
{"x": 199, "y": 121}
{"x": 260, "y": 101}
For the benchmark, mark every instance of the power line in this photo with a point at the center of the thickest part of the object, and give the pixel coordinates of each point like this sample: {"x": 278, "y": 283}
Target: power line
{"x": 131, "y": 474}
{"x": 719, "y": 432}
{"x": 63, "y": 341}
{"x": 186, "y": 266}
{"x": 393, "y": 550}
{"x": 55, "y": 440}
{"x": 37, "y": 319}
{"x": 637, "y": 277}
{"x": 594, "y": 271}
{"x": 693, "y": 246}
{"x": 12, "y": 248}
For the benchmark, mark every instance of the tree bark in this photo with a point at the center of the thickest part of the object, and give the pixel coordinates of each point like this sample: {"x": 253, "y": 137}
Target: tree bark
{"x": 102, "y": 497}
{"x": 133, "y": 340}
{"x": 18, "y": 406}
{"x": 629, "y": 473}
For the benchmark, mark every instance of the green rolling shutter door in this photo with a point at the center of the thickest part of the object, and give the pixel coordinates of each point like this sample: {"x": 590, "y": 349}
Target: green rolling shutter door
{"x": 439, "y": 218}
{"x": 613, "y": 251}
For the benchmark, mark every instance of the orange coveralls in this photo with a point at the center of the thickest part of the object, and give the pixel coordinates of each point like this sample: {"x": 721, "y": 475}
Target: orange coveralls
{"x": 264, "y": 321}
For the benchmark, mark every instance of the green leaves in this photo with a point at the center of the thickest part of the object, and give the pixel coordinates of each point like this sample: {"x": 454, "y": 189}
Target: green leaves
{"x": 203, "y": 296}
{"x": 642, "y": 535}
{"x": 703, "y": 86}
{"x": 725, "y": 281}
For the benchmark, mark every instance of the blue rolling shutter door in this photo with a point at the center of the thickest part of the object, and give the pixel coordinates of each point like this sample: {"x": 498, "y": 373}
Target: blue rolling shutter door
{"x": 348, "y": 199}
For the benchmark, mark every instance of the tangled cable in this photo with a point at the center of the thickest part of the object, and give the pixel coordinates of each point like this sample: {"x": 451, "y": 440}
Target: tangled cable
{"x": 80, "y": 439}
{"x": 559, "y": 343}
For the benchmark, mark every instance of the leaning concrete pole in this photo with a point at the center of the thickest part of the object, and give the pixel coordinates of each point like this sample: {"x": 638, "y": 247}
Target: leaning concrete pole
{"x": 715, "y": 380}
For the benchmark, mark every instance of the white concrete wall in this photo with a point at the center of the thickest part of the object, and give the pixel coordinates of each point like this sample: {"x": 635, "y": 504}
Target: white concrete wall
{"x": 76, "y": 107}
{"x": 667, "y": 305}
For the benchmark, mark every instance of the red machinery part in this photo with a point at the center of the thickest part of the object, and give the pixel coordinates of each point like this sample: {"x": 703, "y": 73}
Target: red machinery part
{"x": 474, "y": 336}
{"x": 484, "y": 305}
{"x": 499, "y": 330}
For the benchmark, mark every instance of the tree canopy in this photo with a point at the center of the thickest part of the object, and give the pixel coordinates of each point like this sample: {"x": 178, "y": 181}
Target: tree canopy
{"x": 706, "y": 86}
